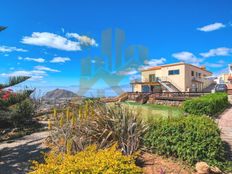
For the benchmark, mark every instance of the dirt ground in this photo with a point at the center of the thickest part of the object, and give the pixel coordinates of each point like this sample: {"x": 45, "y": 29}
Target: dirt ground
{"x": 154, "y": 164}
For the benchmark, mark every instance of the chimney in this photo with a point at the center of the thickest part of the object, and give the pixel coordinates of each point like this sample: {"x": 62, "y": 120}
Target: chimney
{"x": 203, "y": 67}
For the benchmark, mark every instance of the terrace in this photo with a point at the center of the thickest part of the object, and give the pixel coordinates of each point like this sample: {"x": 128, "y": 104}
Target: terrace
{"x": 170, "y": 98}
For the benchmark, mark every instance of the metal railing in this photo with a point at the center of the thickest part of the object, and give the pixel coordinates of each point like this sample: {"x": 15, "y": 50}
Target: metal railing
{"x": 172, "y": 95}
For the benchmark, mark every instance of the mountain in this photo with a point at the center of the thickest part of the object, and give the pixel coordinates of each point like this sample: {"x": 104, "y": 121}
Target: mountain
{"x": 59, "y": 93}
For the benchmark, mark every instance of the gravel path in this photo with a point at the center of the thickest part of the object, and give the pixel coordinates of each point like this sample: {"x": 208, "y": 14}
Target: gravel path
{"x": 225, "y": 124}
{"x": 15, "y": 156}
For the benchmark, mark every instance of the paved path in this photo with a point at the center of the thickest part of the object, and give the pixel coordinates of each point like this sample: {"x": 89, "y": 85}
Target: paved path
{"x": 15, "y": 156}
{"x": 225, "y": 124}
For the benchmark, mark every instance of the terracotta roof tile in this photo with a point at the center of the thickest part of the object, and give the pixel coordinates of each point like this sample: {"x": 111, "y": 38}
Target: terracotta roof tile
{"x": 174, "y": 64}
{"x": 152, "y": 68}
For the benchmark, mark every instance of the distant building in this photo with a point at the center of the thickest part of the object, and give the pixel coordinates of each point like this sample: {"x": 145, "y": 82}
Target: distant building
{"x": 226, "y": 78}
{"x": 175, "y": 77}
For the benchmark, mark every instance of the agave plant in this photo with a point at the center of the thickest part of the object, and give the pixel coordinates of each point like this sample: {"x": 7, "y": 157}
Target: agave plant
{"x": 100, "y": 124}
{"x": 119, "y": 124}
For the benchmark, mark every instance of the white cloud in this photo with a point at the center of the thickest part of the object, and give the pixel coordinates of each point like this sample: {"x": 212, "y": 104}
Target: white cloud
{"x": 218, "y": 64}
{"x": 39, "y": 60}
{"x": 152, "y": 63}
{"x": 211, "y": 27}
{"x": 187, "y": 57}
{"x": 34, "y": 74}
{"x": 60, "y": 59}
{"x": 51, "y": 40}
{"x": 222, "y": 51}
{"x": 44, "y": 68}
{"x": 84, "y": 40}
{"x": 37, "y": 73}
{"x": 7, "y": 49}
{"x": 129, "y": 71}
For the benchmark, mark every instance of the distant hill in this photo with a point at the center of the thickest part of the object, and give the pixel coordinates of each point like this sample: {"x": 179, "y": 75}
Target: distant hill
{"x": 59, "y": 93}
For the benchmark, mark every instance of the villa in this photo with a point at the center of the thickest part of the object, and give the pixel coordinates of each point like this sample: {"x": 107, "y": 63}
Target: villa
{"x": 177, "y": 77}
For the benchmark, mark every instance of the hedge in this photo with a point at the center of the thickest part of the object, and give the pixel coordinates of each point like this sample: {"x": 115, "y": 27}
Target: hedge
{"x": 191, "y": 139}
{"x": 210, "y": 104}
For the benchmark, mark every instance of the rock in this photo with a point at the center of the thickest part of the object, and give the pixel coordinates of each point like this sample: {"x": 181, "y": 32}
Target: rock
{"x": 202, "y": 168}
{"x": 215, "y": 170}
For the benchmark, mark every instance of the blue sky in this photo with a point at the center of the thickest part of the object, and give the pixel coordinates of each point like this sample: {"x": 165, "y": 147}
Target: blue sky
{"x": 49, "y": 39}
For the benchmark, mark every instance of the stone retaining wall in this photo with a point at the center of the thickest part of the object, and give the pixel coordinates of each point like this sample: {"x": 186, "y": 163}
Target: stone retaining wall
{"x": 165, "y": 102}
{"x": 133, "y": 96}
{"x": 153, "y": 100}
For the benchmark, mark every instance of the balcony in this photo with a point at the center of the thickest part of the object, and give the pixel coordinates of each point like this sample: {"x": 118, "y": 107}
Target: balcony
{"x": 198, "y": 79}
{"x": 145, "y": 81}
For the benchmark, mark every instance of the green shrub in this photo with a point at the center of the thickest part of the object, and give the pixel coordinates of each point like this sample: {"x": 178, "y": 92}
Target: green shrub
{"x": 210, "y": 104}
{"x": 190, "y": 139}
{"x": 23, "y": 112}
{"x": 87, "y": 161}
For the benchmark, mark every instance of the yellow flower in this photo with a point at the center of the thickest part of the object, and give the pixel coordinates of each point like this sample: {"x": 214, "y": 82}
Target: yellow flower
{"x": 69, "y": 146}
{"x": 73, "y": 120}
{"x": 61, "y": 121}
{"x": 80, "y": 114}
{"x": 67, "y": 114}
{"x": 49, "y": 124}
{"x": 54, "y": 112}
{"x": 89, "y": 161}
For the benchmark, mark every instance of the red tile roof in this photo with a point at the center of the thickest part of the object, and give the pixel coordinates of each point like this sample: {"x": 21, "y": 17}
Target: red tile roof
{"x": 175, "y": 64}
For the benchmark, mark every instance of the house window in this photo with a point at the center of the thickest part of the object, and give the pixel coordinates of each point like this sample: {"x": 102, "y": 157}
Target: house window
{"x": 174, "y": 72}
{"x": 199, "y": 74}
{"x": 145, "y": 88}
{"x": 192, "y": 73}
{"x": 152, "y": 78}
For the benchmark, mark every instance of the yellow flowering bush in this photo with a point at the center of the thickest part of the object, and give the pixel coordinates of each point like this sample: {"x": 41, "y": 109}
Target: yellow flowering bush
{"x": 88, "y": 161}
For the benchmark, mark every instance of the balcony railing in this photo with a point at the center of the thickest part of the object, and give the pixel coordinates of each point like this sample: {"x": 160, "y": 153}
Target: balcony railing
{"x": 144, "y": 80}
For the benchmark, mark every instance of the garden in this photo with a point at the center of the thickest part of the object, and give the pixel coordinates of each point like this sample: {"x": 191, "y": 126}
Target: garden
{"x": 17, "y": 110}
{"x": 98, "y": 138}
{"x": 94, "y": 137}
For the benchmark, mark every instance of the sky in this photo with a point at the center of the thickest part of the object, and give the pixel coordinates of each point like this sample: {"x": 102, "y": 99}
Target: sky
{"x": 105, "y": 43}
